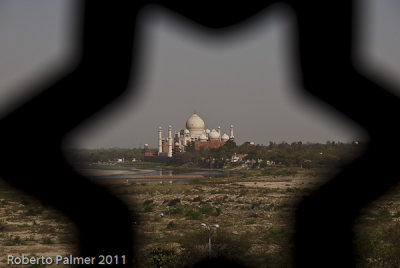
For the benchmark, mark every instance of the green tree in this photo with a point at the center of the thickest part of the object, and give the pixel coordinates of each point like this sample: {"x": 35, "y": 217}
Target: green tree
{"x": 164, "y": 256}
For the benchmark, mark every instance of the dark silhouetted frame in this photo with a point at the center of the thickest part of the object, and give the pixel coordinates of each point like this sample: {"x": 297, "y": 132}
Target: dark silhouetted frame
{"x": 325, "y": 50}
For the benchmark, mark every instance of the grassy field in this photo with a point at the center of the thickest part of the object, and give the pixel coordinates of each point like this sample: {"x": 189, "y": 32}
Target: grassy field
{"x": 254, "y": 213}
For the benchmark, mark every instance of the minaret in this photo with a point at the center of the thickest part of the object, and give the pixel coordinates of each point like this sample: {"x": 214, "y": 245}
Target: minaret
{"x": 231, "y": 136}
{"x": 169, "y": 141}
{"x": 219, "y": 132}
{"x": 159, "y": 140}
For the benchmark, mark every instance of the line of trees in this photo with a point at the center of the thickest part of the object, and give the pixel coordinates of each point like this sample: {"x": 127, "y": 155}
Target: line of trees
{"x": 295, "y": 154}
{"x": 87, "y": 156}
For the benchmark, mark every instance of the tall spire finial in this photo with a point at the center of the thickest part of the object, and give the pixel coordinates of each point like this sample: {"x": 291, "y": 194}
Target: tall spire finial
{"x": 194, "y": 111}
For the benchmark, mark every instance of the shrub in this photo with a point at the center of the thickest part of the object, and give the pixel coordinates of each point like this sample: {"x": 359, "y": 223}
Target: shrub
{"x": 171, "y": 225}
{"x": 149, "y": 208}
{"x": 285, "y": 172}
{"x": 30, "y": 238}
{"x": 217, "y": 211}
{"x": 279, "y": 172}
{"x": 67, "y": 238}
{"x": 270, "y": 207}
{"x": 275, "y": 236}
{"x": 207, "y": 210}
{"x": 268, "y": 172}
{"x": 177, "y": 210}
{"x": 174, "y": 202}
{"x": 243, "y": 192}
{"x": 254, "y": 205}
{"x": 198, "y": 199}
{"x": 223, "y": 243}
{"x": 164, "y": 256}
{"x": 13, "y": 240}
{"x": 32, "y": 212}
{"x": 47, "y": 241}
{"x": 3, "y": 226}
{"x": 194, "y": 214}
{"x": 148, "y": 202}
{"x": 253, "y": 215}
{"x": 231, "y": 246}
{"x": 46, "y": 229}
{"x": 291, "y": 190}
{"x": 383, "y": 216}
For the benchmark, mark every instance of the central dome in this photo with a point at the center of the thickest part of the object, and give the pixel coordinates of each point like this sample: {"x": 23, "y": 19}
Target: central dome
{"x": 195, "y": 125}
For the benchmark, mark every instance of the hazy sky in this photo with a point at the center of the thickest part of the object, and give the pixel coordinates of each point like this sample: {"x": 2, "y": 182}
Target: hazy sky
{"x": 243, "y": 80}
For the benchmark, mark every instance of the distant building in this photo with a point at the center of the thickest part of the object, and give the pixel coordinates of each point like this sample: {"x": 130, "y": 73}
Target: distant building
{"x": 195, "y": 133}
{"x": 237, "y": 157}
{"x": 117, "y": 160}
{"x": 146, "y": 151}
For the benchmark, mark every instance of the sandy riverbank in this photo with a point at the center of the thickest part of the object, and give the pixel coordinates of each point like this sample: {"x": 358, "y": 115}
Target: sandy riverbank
{"x": 94, "y": 172}
{"x": 162, "y": 178}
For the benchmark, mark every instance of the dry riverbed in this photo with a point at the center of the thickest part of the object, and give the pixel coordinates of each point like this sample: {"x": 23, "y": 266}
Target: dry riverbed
{"x": 254, "y": 217}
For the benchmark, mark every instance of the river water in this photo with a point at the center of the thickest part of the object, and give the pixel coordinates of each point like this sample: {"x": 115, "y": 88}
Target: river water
{"x": 140, "y": 173}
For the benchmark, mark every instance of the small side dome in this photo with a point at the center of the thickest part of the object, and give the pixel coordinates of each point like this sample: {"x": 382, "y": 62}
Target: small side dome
{"x": 208, "y": 131}
{"x": 203, "y": 137}
{"x": 176, "y": 143}
{"x": 186, "y": 131}
{"x": 214, "y": 135}
{"x": 252, "y": 143}
{"x": 225, "y": 137}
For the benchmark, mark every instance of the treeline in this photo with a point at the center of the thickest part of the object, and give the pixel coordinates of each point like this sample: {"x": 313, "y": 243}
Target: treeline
{"x": 296, "y": 154}
{"x": 86, "y": 156}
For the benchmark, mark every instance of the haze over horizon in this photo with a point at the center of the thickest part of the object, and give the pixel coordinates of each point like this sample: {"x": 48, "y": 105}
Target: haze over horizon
{"x": 246, "y": 79}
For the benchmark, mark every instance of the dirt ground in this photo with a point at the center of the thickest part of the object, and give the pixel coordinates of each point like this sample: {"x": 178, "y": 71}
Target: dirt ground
{"x": 254, "y": 217}
{"x": 28, "y": 228}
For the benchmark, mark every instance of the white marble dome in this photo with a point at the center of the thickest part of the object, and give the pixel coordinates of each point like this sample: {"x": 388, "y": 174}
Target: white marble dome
{"x": 186, "y": 131}
{"x": 225, "y": 137}
{"x": 208, "y": 131}
{"x": 195, "y": 125}
{"x": 214, "y": 135}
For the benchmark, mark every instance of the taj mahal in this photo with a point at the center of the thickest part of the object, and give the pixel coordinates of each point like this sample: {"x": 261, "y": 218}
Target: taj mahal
{"x": 194, "y": 134}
